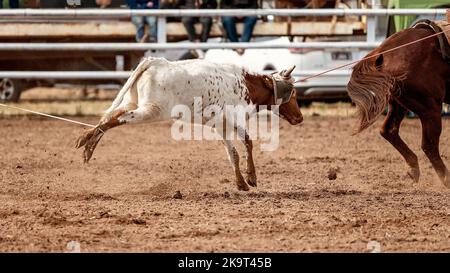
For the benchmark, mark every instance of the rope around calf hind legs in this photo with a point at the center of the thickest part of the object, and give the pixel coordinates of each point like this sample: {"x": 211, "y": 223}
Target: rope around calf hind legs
{"x": 50, "y": 116}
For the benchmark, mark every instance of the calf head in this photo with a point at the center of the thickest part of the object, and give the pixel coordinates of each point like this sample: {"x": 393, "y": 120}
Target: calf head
{"x": 285, "y": 96}
{"x": 276, "y": 89}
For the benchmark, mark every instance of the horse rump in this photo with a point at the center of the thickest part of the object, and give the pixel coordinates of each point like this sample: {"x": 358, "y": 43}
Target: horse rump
{"x": 371, "y": 89}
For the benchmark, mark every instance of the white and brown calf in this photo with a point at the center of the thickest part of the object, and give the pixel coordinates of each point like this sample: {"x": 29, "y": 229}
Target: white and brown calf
{"x": 157, "y": 85}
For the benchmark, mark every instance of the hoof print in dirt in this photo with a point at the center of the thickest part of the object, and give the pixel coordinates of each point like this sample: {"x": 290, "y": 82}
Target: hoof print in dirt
{"x": 224, "y": 181}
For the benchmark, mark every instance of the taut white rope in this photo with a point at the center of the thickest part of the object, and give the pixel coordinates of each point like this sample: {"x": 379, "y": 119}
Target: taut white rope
{"x": 48, "y": 115}
{"x": 373, "y": 55}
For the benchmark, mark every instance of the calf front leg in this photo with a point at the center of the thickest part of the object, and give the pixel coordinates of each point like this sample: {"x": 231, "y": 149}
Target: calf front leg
{"x": 248, "y": 144}
{"x": 234, "y": 160}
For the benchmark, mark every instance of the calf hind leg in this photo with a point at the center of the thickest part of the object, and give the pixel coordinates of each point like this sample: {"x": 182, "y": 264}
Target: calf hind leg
{"x": 108, "y": 121}
{"x": 129, "y": 114}
{"x": 145, "y": 113}
{"x": 90, "y": 138}
{"x": 389, "y": 130}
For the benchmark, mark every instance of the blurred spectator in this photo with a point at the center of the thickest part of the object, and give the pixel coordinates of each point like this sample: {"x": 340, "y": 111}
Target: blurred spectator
{"x": 140, "y": 21}
{"x": 229, "y": 22}
{"x": 13, "y": 4}
{"x": 103, "y": 3}
{"x": 189, "y": 22}
{"x": 169, "y": 4}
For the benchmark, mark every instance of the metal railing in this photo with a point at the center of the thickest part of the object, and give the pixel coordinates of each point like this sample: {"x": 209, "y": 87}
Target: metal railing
{"x": 123, "y": 75}
{"x": 126, "y": 13}
{"x": 162, "y": 44}
{"x": 75, "y": 75}
{"x": 371, "y": 14}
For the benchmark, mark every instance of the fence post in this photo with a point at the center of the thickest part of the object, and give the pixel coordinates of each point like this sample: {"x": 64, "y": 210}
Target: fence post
{"x": 162, "y": 29}
{"x": 371, "y": 28}
{"x": 372, "y": 22}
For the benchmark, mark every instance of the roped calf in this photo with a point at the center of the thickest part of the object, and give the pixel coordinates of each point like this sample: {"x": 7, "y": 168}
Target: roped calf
{"x": 157, "y": 85}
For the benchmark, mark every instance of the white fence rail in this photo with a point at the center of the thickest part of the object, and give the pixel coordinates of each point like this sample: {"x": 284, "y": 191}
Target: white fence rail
{"x": 126, "y": 13}
{"x": 161, "y": 46}
{"x": 116, "y": 75}
{"x": 6, "y": 14}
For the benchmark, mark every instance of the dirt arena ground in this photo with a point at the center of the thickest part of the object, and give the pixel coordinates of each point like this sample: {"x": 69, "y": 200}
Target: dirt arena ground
{"x": 122, "y": 201}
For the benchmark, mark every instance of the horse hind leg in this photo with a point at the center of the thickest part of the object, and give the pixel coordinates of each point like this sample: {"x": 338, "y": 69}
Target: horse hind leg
{"x": 431, "y": 131}
{"x": 390, "y": 131}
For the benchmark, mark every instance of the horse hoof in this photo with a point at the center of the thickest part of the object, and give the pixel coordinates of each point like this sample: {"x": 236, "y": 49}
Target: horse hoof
{"x": 251, "y": 180}
{"x": 414, "y": 173}
{"x": 447, "y": 184}
{"x": 446, "y": 181}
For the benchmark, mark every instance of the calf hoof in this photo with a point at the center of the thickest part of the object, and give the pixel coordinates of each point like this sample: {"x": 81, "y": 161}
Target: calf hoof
{"x": 85, "y": 137}
{"x": 251, "y": 180}
{"x": 243, "y": 186}
{"x": 90, "y": 147}
{"x": 414, "y": 173}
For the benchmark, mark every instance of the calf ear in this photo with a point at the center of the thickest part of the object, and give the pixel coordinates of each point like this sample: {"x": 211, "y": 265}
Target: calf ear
{"x": 268, "y": 82}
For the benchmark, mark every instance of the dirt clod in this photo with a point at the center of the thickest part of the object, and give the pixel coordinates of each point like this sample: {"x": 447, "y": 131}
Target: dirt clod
{"x": 138, "y": 221}
{"x": 177, "y": 195}
{"x": 332, "y": 173}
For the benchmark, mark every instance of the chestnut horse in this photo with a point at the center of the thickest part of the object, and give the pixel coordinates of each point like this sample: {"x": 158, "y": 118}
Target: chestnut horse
{"x": 415, "y": 78}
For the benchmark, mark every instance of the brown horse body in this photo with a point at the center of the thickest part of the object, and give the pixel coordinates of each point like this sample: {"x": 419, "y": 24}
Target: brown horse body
{"x": 415, "y": 78}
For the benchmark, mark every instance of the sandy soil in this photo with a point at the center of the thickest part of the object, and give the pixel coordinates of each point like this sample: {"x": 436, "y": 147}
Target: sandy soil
{"x": 123, "y": 200}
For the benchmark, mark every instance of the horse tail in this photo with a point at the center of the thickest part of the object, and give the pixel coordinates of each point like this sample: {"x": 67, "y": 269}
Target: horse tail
{"x": 371, "y": 89}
